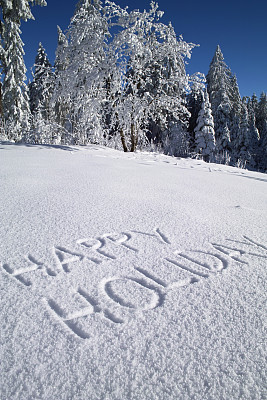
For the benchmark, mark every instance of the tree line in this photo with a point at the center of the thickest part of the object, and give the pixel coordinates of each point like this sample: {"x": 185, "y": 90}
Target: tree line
{"x": 119, "y": 80}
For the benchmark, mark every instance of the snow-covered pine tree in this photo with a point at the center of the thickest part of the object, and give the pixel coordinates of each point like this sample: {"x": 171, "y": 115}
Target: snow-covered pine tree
{"x": 61, "y": 62}
{"x": 218, "y": 87}
{"x": 16, "y": 110}
{"x": 43, "y": 128}
{"x": 204, "y": 131}
{"x": 60, "y": 99}
{"x": 41, "y": 87}
{"x": 15, "y": 97}
{"x": 253, "y": 133}
{"x": 17, "y": 10}
{"x": 261, "y": 122}
{"x": 243, "y": 142}
{"x": 254, "y": 103}
{"x": 194, "y": 102}
{"x": 225, "y": 99}
{"x": 224, "y": 146}
{"x": 235, "y": 114}
{"x": 261, "y": 115}
{"x": 252, "y": 119}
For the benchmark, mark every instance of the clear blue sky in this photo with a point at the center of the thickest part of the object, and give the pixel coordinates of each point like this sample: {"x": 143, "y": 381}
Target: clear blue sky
{"x": 239, "y": 27}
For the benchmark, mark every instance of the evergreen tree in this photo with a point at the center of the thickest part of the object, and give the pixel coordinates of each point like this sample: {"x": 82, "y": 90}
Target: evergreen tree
{"x": 261, "y": 122}
{"x": 194, "y": 102}
{"x": 243, "y": 139}
{"x": 17, "y": 10}
{"x": 225, "y": 99}
{"x": 15, "y": 97}
{"x": 40, "y": 89}
{"x": 224, "y": 145}
{"x": 236, "y": 112}
{"x": 16, "y": 110}
{"x": 261, "y": 115}
{"x": 253, "y": 132}
{"x": 204, "y": 131}
{"x": 43, "y": 129}
{"x": 254, "y": 103}
{"x": 218, "y": 87}
{"x": 61, "y": 61}
{"x": 60, "y": 101}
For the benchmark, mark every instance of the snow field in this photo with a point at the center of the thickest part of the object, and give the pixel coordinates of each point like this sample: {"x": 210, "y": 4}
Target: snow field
{"x": 130, "y": 276}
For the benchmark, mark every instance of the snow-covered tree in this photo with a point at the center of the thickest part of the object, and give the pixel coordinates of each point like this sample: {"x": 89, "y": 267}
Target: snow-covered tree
{"x": 194, "y": 102}
{"x": 80, "y": 80}
{"x": 43, "y": 127}
{"x": 204, "y": 131}
{"x": 40, "y": 89}
{"x": 261, "y": 122}
{"x": 153, "y": 78}
{"x": 15, "y": 97}
{"x": 17, "y": 10}
{"x": 252, "y": 121}
{"x": 253, "y": 132}
{"x": 60, "y": 100}
{"x": 261, "y": 115}
{"x": 224, "y": 145}
{"x": 218, "y": 87}
{"x": 254, "y": 103}
{"x": 62, "y": 42}
{"x": 242, "y": 143}
{"x": 224, "y": 97}
{"x": 236, "y": 112}
{"x": 16, "y": 110}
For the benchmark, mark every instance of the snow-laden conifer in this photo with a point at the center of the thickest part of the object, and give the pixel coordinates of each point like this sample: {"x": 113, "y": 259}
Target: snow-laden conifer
{"x": 225, "y": 99}
{"x": 16, "y": 110}
{"x": 41, "y": 87}
{"x": 62, "y": 42}
{"x": 17, "y": 10}
{"x": 60, "y": 102}
{"x": 194, "y": 102}
{"x": 261, "y": 115}
{"x": 204, "y": 131}
{"x": 40, "y": 91}
{"x": 224, "y": 143}
{"x": 254, "y": 132}
{"x": 243, "y": 139}
{"x": 15, "y": 97}
{"x": 261, "y": 122}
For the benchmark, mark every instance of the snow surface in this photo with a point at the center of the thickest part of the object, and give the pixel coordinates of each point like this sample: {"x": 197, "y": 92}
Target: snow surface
{"x": 130, "y": 276}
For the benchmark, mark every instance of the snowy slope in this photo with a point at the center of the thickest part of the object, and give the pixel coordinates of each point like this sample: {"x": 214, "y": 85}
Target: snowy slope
{"x": 130, "y": 276}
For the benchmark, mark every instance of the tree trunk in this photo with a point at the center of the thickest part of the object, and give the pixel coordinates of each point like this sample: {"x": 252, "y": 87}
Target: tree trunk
{"x": 124, "y": 145}
{"x": 133, "y": 138}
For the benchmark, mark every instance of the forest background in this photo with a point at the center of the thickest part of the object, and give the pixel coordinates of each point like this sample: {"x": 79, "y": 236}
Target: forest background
{"x": 120, "y": 79}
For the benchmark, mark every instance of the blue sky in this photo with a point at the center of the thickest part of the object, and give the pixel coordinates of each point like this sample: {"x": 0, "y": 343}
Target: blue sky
{"x": 239, "y": 27}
